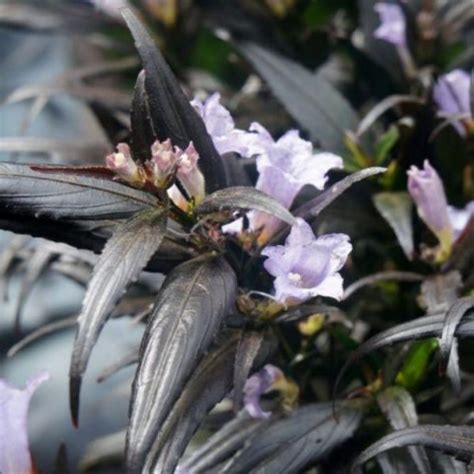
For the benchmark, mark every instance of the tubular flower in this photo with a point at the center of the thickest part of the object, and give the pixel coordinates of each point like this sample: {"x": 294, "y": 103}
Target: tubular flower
{"x": 451, "y": 94}
{"x": 427, "y": 190}
{"x": 460, "y": 218}
{"x": 258, "y": 384}
{"x": 285, "y": 166}
{"x": 307, "y": 266}
{"x": 14, "y": 403}
{"x": 189, "y": 174}
{"x": 163, "y": 162}
{"x": 221, "y": 126}
{"x": 123, "y": 165}
{"x": 392, "y": 24}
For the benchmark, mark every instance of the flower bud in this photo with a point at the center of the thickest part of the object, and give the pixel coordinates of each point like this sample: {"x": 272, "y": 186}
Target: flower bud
{"x": 427, "y": 190}
{"x": 163, "y": 163}
{"x": 123, "y": 165}
{"x": 189, "y": 174}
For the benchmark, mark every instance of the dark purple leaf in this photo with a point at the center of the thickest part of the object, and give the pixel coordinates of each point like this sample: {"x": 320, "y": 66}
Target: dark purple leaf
{"x": 124, "y": 256}
{"x": 191, "y": 306}
{"x": 447, "y": 344}
{"x": 171, "y": 113}
{"x": 67, "y": 196}
{"x": 309, "y": 98}
{"x": 420, "y": 328}
{"x": 142, "y": 134}
{"x": 210, "y": 382}
{"x": 314, "y": 207}
{"x": 244, "y": 197}
{"x": 400, "y": 410}
{"x": 247, "y": 350}
{"x": 288, "y": 444}
{"x": 457, "y": 440}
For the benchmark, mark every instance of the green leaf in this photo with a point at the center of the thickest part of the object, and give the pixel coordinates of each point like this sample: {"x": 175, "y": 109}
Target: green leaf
{"x": 413, "y": 371}
{"x": 385, "y": 144}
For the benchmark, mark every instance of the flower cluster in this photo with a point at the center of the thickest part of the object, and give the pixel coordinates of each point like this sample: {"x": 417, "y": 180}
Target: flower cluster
{"x": 446, "y": 222}
{"x": 305, "y": 266}
{"x": 285, "y": 166}
{"x": 166, "y": 163}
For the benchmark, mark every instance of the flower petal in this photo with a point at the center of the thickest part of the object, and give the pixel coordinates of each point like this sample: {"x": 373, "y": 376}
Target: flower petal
{"x": 14, "y": 403}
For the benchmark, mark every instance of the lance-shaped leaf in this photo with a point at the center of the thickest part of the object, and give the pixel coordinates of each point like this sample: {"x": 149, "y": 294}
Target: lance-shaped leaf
{"x": 244, "y": 197}
{"x": 210, "y": 382}
{"x": 247, "y": 351}
{"x": 124, "y": 256}
{"x": 142, "y": 134}
{"x": 314, "y": 207}
{"x": 447, "y": 345}
{"x": 308, "y": 97}
{"x": 171, "y": 113}
{"x": 457, "y": 440}
{"x": 191, "y": 306}
{"x": 67, "y": 196}
{"x": 290, "y": 443}
{"x": 396, "y": 209}
{"x": 400, "y": 410}
{"x": 420, "y": 328}
{"x": 225, "y": 443}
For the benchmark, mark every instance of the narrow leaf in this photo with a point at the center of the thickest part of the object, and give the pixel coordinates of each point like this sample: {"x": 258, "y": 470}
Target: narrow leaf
{"x": 400, "y": 410}
{"x": 208, "y": 385}
{"x": 314, "y": 207}
{"x": 142, "y": 134}
{"x": 171, "y": 113}
{"x": 244, "y": 197}
{"x": 225, "y": 442}
{"x": 308, "y": 97}
{"x": 66, "y": 196}
{"x": 379, "y": 277}
{"x": 247, "y": 350}
{"x": 448, "y": 346}
{"x": 124, "y": 256}
{"x": 288, "y": 444}
{"x": 396, "y": 209}
{"x": 457, "y": 440}
{"x": 191, "y": 306}
{"x": 420, "y": 328}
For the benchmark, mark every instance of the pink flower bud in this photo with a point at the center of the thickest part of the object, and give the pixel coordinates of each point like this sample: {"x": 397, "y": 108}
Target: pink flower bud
{"x": 163, "y": 162}
{"x": 123, "y": 165}
{"x": 189, "y": 174}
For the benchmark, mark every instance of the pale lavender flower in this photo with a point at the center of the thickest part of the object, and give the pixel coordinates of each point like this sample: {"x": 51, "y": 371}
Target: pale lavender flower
{"x": 285, "y": 166}
{"x": 451, "y": 92}
{"x": 307, "y": 266}
{"x": 460, "y": 218}
{"x": 392, "y": 24}
{"x": 14, "y": 403}
{"x": 256, "y": 386}
{"x": 221, "y": 126}
{"x": 123, "y": 165}
{"x": 427, "y": 190}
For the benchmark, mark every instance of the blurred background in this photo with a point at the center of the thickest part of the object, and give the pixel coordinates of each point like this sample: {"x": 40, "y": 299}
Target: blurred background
{"x": 68, "y": 69}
